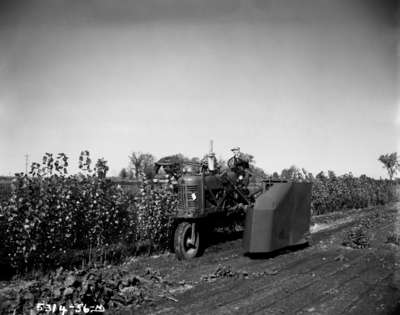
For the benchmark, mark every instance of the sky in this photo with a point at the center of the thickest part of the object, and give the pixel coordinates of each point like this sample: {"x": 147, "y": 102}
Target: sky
{"x": 311, "y": 83}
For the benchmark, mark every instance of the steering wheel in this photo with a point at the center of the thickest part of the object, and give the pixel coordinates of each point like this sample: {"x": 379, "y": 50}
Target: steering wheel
{"x": 231, "y": 162}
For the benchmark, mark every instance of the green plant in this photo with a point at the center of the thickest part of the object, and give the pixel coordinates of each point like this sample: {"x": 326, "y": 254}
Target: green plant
{"x": 390, "y": 163}
{"x": 393, "y": 238}
{"x": 357, "y": 237}
{"x": 333, "y": 193}
{"x": 51, "y": 214}
{"x": 52, "y": 217}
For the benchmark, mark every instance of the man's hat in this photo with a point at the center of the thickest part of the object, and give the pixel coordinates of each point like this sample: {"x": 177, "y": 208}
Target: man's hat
{"x": 235, "y": 149}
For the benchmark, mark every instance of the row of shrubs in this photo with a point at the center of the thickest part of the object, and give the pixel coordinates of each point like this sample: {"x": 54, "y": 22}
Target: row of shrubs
{"x": 5, "y": 188}
{"x": 51, "y": 216}
{"x": 349, "y": 192}
{"x": 333, "y": 193}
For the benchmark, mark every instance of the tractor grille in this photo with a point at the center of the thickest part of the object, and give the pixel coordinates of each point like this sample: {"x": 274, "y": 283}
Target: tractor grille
{"x": 181, "y": 197}
{"x": 189, "y": 197}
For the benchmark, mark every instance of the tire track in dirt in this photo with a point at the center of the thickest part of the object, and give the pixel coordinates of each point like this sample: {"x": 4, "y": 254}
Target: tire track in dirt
{"x": 351, "y": 290}
{"x": 238, "y": 261}
{"x": 243, "y": 262}
{"x": 205, "y": 291}
{"x": 325, "y": 284}
{"x": 218, "y": 253}
{"x": 228, "y": 290}
{"x": 202, "y": 290}
{"x": 294, "y": 268}
{"x": 223, "y": 288}
{"x": 345, "y": 287}
{"x": 206, "y": 264}
{"x": 383, "y": 298}
{"x": 290, "y": 288}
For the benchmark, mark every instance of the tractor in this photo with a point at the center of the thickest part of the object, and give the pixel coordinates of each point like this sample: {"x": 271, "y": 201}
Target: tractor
{"x": 277, "y": 213}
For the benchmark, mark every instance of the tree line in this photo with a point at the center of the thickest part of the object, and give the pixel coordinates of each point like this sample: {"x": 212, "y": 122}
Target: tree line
{"x": 141, "y": 165}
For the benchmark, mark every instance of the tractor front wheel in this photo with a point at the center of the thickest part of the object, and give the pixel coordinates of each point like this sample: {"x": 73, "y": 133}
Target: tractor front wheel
{"x": 187, "y": 241}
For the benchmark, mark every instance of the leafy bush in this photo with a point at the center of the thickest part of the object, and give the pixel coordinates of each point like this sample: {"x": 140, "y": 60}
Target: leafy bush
{"x": 51, "y": 214}
{"x": 331, "y": 193}
{"x": 153, "y": 210}
{"x": 118, "y": 289}
{"x": 53, "y": 218}
{"x": 357, "y": 238}
{"x": 393, "y": 238}
{"x": 5, "y": 188}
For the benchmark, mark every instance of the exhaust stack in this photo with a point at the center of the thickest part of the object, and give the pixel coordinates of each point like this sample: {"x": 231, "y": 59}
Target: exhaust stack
{"x": 211, "y": 157}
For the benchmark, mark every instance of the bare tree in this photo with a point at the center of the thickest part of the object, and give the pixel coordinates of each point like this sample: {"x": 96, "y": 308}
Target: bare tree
{"x": 390, "y": 163}
{"x": 141, "y": 164}
{"x": 293, "y": 173}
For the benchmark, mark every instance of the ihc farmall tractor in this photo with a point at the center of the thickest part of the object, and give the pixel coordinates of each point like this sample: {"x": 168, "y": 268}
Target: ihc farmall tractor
{"x": 277, "y": 212}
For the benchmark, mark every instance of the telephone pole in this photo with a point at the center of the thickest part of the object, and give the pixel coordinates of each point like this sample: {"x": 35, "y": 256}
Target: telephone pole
{"x": 26, "y": 163}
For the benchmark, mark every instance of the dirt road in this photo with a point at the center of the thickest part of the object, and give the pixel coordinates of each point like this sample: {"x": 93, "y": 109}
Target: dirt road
{"x": 325, "y": 278}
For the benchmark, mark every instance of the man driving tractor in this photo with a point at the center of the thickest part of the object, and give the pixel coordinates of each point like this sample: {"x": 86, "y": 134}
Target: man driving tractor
{"x": 208, "y": 196}
{"x": 239, "y": 164}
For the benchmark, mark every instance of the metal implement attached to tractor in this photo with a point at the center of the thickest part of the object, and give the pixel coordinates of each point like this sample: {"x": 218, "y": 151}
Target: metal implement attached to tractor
{"x": 280, "y": 217}
{"x": 277, "y": 212}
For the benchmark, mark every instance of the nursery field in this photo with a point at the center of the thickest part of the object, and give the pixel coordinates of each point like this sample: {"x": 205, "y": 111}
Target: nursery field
{"x": 351, "y": 267}
{"x": 85, "y": 243}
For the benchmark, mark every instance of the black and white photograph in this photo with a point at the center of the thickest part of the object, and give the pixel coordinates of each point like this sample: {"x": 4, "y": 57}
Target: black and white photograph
{"x": 199, "y": 157}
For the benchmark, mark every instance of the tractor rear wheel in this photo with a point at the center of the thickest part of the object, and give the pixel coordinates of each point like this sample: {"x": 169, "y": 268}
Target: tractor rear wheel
{"x": 185, "y": 246}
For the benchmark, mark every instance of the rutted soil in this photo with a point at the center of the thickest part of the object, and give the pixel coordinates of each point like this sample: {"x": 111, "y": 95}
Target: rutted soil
{"x": 324, "y": 278}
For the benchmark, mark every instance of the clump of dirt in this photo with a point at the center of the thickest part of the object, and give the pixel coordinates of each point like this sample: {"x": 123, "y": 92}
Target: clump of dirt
{"x": 393, "y": 238}
{"x": 111, "y": 288}
{"x": 357, "y": 237}
{"x": 226, "y": 271}
{"x": 222, "y": 271}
